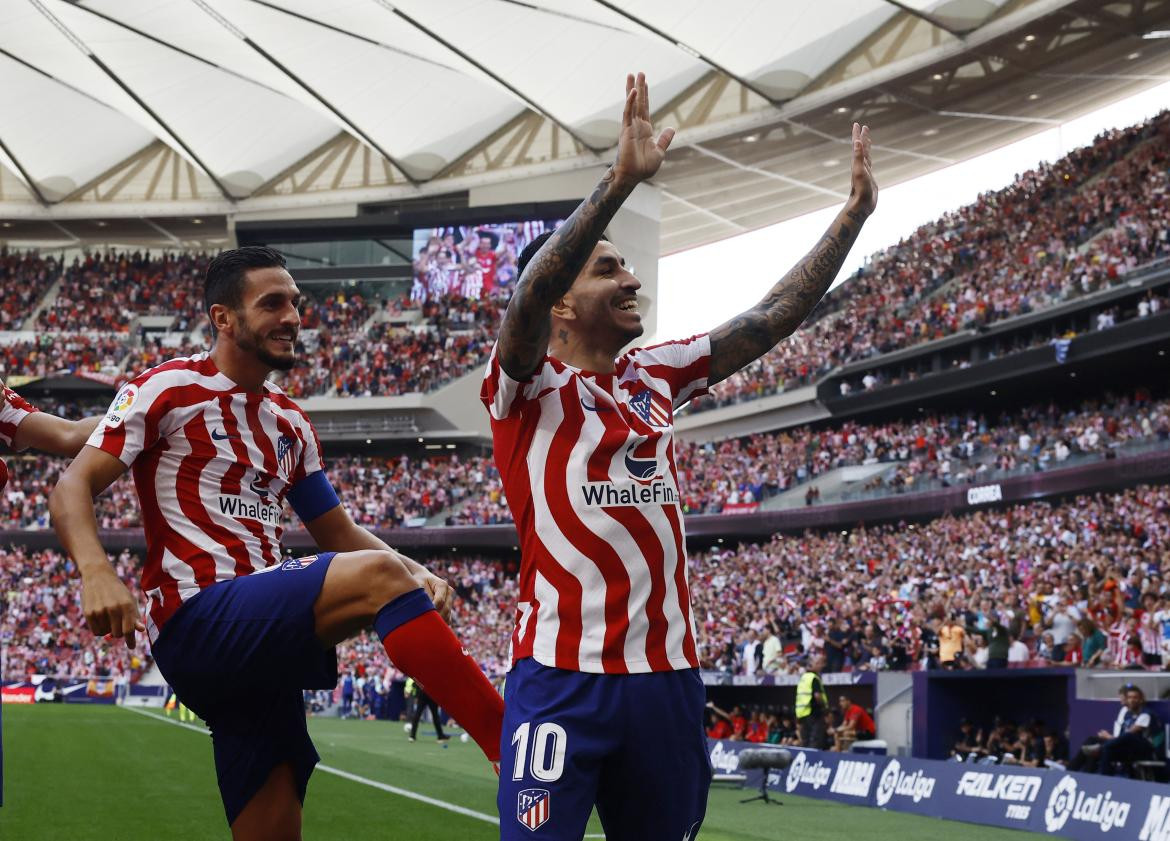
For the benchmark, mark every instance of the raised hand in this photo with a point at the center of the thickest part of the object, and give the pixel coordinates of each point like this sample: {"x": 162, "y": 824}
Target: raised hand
{"x": 639, "y": 153}
{"x": 863, "y": 191}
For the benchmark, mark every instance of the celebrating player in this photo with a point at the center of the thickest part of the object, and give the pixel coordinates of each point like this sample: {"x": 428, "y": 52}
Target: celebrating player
{"x": 604, "y": 704}
{"x": 215, "y": 450}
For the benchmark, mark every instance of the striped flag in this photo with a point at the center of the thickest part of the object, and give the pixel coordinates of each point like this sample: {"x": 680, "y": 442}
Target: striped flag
{"x": 1061, "y": 346}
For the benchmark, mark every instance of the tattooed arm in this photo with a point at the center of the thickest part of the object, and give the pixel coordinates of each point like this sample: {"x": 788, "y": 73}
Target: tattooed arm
{"x": 524, "y": 334}
{"x": 751, "y": 334}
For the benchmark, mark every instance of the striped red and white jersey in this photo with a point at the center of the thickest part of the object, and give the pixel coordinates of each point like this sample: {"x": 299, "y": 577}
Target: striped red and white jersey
{"x": 14, "y": 410}
{"x": 587, "y": 462}
{"x": 212, "y": 464}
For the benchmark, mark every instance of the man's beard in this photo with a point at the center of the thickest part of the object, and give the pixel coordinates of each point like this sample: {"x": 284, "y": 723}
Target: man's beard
{"x": 251, "y": 341}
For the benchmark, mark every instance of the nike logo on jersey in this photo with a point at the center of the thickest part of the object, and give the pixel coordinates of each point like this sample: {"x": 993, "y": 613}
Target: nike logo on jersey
{"x": 596, "y": 408}
{"x": 220, "y": 435}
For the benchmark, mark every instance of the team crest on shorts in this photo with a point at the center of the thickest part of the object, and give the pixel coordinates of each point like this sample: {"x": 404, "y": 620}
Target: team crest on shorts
{"x": 298, "y": 563}
{"x": 532, "y": 807}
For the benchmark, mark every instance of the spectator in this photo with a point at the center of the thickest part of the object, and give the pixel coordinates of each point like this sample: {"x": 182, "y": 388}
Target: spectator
{"x": 1129, "y": 741}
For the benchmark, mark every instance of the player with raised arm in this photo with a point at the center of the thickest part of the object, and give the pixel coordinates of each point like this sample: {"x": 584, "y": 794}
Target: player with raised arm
{"x": 604, "y": 703}
{"x": 215, "y": 449}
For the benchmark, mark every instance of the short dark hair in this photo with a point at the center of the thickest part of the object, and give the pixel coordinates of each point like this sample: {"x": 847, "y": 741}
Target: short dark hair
{"x": 224, "y": 283}
{"x": 530, "y": 250}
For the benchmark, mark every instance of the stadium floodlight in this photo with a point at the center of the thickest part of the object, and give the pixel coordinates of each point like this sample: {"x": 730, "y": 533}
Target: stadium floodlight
{"x": 1155, "y": 34}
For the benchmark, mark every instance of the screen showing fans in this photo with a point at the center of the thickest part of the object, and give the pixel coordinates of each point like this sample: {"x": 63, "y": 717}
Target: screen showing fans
{"x": 472, "y": 261}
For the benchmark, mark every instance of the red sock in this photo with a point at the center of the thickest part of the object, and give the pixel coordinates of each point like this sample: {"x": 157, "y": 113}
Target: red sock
{"x": 426, "y": 649}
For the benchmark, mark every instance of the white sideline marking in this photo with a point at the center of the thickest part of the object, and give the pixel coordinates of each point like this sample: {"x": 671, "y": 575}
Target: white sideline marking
{"x": 401, "y": 792}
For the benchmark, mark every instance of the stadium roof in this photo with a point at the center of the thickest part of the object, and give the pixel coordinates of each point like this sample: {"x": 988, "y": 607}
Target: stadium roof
{"x": 150, "y": 112}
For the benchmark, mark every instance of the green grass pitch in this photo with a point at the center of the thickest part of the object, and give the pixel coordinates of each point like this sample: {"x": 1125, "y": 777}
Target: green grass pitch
{"x": 113, "y": 774}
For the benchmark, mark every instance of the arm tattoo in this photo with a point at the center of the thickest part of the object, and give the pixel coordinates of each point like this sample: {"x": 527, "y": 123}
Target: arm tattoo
{"x": 525, "y": 331}
{"x": 751, "y": 334}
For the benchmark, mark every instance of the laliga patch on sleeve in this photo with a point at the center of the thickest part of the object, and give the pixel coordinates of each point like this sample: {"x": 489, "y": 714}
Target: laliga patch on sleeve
{"x": 122, "y": 403}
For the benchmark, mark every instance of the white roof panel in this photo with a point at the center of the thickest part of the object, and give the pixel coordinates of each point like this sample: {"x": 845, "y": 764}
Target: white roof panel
{"x": 228, "y": 121}
{"x": 44, "y": 120}
{"x": 572, "y": 68}
{"x": 779, "y": 47}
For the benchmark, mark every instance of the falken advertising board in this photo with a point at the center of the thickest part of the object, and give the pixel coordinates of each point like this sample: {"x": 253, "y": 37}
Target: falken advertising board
{"x": 1050, "y": 801}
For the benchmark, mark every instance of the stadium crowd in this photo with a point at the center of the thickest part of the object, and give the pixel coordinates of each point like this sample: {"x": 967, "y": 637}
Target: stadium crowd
{"x": 42, "y": 628}
{"x": 1062, "y": 230}
{"x": 74, "y": 353}
{"x": 727, "y": 476}
{"x": 1080, "y": 583}
{"x": 104, "y": 292}
{"x": 955, "y": 449}
{"x": 24, "y": 278}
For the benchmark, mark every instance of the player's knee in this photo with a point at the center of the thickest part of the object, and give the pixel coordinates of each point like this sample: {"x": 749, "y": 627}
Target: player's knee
{"x": 385, "y": 578}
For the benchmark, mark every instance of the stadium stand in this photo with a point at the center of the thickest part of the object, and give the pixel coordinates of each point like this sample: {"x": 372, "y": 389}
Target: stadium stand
{"x": 394, "y": 491}
{"x": 25, "y": 277}
{"x": 1058, "y": 232}
{"x": 1076, "y": 582}
{"x": 42, "y": 629}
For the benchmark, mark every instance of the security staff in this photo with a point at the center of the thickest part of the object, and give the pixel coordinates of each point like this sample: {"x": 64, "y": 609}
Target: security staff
{"x": 811, "y": 704}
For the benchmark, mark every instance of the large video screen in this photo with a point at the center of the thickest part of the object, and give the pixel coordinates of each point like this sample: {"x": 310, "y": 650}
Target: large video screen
{"x": 474, "y": 261}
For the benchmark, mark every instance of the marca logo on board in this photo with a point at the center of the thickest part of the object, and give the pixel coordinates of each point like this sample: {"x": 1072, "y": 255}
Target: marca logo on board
{"x": 853, "y": 778}
{"x": 1157, "y": 824}
{"x": 916, "y": 785}
{"x": 985, "y": 494}
{"x": 801, "y": 771}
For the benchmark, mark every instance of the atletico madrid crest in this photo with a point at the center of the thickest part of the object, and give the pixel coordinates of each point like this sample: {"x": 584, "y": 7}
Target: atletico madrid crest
{"x": 297, "y": 563}
{"x": 285, "y": 454}
{"x": 651, "y": 407}
{"x": 532, "y": 807}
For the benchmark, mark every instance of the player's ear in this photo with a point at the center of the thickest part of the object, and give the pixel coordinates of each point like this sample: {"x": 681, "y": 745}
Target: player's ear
{"x": 220, "y": 317}
{"x": 563, "y": 308}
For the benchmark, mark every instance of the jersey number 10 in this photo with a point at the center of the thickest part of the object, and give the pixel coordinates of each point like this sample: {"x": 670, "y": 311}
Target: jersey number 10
{"x": 548, "y": 760}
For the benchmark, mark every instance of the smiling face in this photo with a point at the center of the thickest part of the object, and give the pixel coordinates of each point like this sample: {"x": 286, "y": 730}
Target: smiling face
{"x": 602, "y": 303}
{"x": 268, "y": 319}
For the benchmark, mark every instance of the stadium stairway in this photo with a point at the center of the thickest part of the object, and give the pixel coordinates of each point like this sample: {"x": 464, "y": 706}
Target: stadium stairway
{"x": 831, "y": 485}
{"x": 48, "y": 298}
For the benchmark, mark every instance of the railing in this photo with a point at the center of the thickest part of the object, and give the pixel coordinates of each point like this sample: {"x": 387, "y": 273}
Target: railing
{"x": 989, "y": 476}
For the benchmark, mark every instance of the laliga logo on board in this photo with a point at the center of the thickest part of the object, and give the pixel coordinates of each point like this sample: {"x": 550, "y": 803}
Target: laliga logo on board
{"x": 800, "y": 771}
{"x": 916, "y": 785}
{"x": 1067, "y": 801}
{"x": 724, "y": 761}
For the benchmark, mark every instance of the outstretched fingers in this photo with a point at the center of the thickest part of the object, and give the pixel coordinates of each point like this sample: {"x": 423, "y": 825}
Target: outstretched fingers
{"x": 643, "y": 98}
{"x": 631, "y": 96}
{"x": 664, "y": 138}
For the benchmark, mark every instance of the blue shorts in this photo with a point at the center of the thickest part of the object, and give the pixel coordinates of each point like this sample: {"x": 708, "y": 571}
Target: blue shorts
{"x": 239, "y": 654}
{"x": 633, "y": 745}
